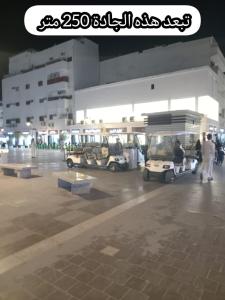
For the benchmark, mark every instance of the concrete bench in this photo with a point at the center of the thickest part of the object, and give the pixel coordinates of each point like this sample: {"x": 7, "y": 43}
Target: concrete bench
{"x": 19, "y": 170}
{"x": 4, "y": 151}
{"x": 75, "y": 182}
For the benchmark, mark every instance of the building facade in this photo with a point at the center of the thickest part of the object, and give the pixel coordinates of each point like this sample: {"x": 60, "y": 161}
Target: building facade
{"x": 66, "y": 89}
{"x": 38, "y": 92}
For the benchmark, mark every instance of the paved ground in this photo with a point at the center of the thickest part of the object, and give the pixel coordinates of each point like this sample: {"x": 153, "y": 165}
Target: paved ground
{"x": 129, "y": 240}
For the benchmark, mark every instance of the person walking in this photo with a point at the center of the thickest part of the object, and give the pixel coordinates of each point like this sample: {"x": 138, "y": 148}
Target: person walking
{"x": 208, "y": 156}
{"x": 198, "y": 148}
{"x": 33, "y": 148}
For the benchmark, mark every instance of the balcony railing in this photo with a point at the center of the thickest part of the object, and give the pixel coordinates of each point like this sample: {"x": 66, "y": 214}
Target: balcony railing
{"x": 58, "y": 79}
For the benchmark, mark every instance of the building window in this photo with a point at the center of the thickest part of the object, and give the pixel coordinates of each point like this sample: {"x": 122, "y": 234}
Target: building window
{"x": 29, "y": 119}
{"x": 16, "y": 88}
{"x": 17, "y": 104}
{"x": 42, "y": 100}
{"x": 28, "y": 102}
{"x": 51, "y": 117}
{"x": 27, "y": 86}
{"x": 42, "y": 118}
{"x": 152, "y": 86}
{"x": 40, "y": 83}
{"x": 69, "y": 59}
{"x": 7, "y": 105}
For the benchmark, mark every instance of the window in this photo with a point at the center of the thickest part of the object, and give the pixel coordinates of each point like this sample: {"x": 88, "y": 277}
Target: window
{"x": 42, "y": 100}
{"x": 28, "y": 102}
{"x": 7, "y": 105}
{"x": 69, "y": 59}
{"x": 17, "y": 104}
{"x": 70, "y": 116}
{"x": 182, "y": 104}
{"x": 27, "y": 86}
{"x": 16, "y": 88}
{"x": 29, "y": 119}
{"x": 41, "y": 118}
{"x": 40, "y": 83}
{"x": 152, "y": 86}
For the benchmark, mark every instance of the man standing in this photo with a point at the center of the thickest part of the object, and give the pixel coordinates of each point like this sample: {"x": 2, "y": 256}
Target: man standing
{"x": 208, "y": 153}
{"x": 118, "y": 147}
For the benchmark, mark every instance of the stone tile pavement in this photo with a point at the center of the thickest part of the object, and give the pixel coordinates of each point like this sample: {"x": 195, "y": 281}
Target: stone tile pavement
{"x": 169, "y": 247}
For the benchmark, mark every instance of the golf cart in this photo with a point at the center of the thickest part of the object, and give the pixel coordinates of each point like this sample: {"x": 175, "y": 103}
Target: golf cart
{"x": 162, "y": 161}
{"x": 97, "y": 155}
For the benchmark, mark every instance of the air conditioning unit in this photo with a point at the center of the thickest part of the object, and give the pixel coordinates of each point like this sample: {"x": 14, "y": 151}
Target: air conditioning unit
{"x": 124, "y": 119}
{"x": 131, "y": 119}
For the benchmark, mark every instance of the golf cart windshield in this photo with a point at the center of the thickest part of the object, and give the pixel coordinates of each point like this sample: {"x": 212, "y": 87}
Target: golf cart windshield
{"x": 160, "y": 148}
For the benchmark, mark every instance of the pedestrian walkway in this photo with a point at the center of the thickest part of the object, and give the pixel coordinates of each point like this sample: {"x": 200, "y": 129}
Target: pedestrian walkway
{"x": 134, "y": 241}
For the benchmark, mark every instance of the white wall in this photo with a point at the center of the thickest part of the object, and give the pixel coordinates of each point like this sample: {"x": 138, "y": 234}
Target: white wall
{"x": 182, "y": 84}
{"x": 86, "y": 64}
{"x": 158, "y": 60}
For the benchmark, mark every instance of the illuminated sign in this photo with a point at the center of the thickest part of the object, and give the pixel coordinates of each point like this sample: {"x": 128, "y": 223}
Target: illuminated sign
{"x": 92, "y": 130}
{"x": 52, "y": 132}
{"x": 116, "y": 130}
{"x": 75, "y": 131}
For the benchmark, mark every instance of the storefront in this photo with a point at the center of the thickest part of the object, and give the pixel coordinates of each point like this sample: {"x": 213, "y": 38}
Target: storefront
{"x": 53, "y": 138}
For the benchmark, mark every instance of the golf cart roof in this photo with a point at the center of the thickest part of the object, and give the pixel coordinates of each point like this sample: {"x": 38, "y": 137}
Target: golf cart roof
{"x": 171, "y": 133}
{"x": 175, "y": 112}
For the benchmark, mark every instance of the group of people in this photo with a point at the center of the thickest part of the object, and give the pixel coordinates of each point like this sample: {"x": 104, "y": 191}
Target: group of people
{"x": 209, "y": 152}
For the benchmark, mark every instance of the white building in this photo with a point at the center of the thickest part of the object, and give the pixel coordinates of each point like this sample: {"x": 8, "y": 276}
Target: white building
{"x": 38, "y": 92}
{"x": 67, "y": 88}
{"x": 180, "y": 76}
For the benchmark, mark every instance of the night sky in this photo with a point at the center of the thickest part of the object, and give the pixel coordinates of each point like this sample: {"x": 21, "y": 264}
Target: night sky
{"x": 15, "y": 38}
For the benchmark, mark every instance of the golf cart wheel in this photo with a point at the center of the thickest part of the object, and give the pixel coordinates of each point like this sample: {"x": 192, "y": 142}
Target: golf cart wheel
{"x": 169, "y": 176}
{"x": 69, "y": 163}
{"x": 146, "y": 175}
{"x": 195, "y": 170}
{"x": 113, "y": 167}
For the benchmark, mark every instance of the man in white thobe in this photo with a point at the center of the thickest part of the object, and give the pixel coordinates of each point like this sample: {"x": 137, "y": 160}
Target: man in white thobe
{"x": 208, "y": 153}
{"x": 33, "y": 148}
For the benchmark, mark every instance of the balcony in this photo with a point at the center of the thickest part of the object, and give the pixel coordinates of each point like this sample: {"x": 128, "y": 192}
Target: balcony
{"x": 53, "y": 98}
{"x": 58, "y": 79}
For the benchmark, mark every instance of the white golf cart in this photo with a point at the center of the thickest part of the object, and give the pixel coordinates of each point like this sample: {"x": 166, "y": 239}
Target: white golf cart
{"x": 162, "y": 161}
{"x": 97, "y": 155}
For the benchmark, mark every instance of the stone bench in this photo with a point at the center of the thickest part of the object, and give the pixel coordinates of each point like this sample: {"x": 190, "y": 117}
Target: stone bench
{"x": 19, "y": 170}
{"x": 4, "y": 151}
{"x": 75, "y": 182}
